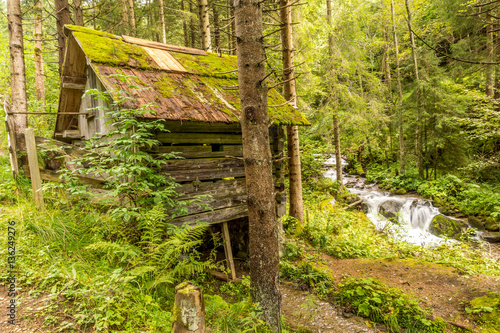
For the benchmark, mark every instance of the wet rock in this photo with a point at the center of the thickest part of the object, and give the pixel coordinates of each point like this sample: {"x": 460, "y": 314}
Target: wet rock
{"x": 491, "y": 224}
{"x": 364, "y": 207}
{"x": 390, "y": 208}
{"x": 447, "y": 227}
{"x": 492, "y": 237}
{"x": 475, "y": 222}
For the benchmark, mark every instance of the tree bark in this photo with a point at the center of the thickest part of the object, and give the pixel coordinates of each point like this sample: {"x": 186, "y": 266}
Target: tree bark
{"x": 192, "y": 27}
{"x": 78, "y": 12}
{"x": 420, "y": 164}
{"x": 336, "y": 132}
{"x": 17, "y": 71}
{"x": 294, "y": 171}
{"x": 38, "y": 36}
{"x": 217, "y": 44}
{"x": 131, "y": 17}
{"x": 263, "y": 226}
{"x": 125, "y": 15}
{"x": 400, "y": 93}
{"x": 62, "y": 18}
{"x": 206, "y": 39}
{"x": 489, "y": 51}
{"x": 184, "y": 27}
{"x": 162, "y": 20}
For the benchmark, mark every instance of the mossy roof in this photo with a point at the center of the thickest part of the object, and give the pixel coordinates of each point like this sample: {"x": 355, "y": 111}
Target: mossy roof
{"x": 206, "y": 92}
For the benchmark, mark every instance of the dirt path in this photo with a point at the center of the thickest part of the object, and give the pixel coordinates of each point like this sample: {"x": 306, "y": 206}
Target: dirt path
{"x": 441, "y": 289}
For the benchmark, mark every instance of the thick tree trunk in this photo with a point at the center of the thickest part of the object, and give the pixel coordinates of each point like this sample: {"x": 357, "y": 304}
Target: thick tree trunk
{"x": 206, "y": 39}
{"x": 62, "y": 18}
{"x": 420, "y": 164}
{"x": 39, "y": 72}
{"x": 162, "y": 20}
{"x": 263, "y": 244}
{"x": 78, "y": 12}
{"x": 294, "y": 171}
{"x": 17, "y": 71}
{"x": 131, "y": 17}
{"x": 400, "y": 93}
{"x": 336, "y": 132}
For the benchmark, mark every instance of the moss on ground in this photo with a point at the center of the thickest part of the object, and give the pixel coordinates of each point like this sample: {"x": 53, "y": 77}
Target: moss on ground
{"x": 488, "y": 309}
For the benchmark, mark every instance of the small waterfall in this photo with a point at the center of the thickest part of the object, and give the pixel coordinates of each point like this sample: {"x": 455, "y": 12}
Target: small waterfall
{"x": 404, "y": 217}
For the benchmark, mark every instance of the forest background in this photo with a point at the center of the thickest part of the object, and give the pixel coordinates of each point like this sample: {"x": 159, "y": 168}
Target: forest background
{"x": 436, "y": 132}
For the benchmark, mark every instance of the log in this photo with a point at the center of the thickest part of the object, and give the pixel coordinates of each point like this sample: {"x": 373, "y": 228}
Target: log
{"x": 189, "y": 310}
{"x": 53, "y": 176}
{"x": 223, "y": 277}
{"x": 354, "y": 204}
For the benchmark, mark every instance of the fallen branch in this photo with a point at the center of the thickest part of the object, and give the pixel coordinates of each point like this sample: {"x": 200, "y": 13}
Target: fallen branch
{"x": 354, "y": 204}
{"x": 223, "y": 277}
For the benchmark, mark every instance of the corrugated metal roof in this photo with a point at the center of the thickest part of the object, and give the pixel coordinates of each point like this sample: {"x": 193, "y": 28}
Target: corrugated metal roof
{"x": 183, "y": 84}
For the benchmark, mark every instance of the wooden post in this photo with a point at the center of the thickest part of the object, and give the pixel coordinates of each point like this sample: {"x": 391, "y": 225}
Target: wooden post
{"x": 189, "y": 309}
{"x": 36, "y": 182}
{"x": 228, "y": 250}
{"x": 9, "y": 125}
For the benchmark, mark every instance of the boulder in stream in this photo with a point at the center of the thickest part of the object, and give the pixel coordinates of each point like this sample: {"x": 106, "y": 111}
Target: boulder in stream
{"x": 390, "y": 209}
{"x": 447, "y": 227}
{"x": 492, "y": 237}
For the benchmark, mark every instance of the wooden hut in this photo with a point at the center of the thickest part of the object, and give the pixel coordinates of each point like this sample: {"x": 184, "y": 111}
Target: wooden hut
{"x": 195, "y": 93}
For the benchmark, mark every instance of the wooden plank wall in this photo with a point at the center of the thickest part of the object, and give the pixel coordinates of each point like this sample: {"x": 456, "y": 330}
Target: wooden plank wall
{"x": 212, "y": 165}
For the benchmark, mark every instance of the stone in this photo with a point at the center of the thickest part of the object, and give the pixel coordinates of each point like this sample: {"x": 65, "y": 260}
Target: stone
{"x": 475, "y": 222}
{"x": 390, "y": 208}
{"x": 492, "y": 237}
{"x": 447, "y": 227}
{"x": 491, "y": 224}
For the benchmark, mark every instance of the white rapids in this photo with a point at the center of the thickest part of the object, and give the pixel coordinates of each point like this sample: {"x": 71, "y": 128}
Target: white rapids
{"x": 413, "y": 216}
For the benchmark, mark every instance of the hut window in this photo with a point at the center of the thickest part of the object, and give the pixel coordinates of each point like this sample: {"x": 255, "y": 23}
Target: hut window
{"x": 217, "y": 147}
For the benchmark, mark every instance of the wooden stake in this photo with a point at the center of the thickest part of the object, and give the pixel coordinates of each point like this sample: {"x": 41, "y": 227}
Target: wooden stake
{"x": 36, "y": 181}
{"x": 228, "y": 250}
{"x": 9, "y": 125}
{"x": 189, "y": 310}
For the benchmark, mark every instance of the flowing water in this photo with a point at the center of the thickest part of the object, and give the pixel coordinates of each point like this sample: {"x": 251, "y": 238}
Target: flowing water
{"x": 409, "y": 216}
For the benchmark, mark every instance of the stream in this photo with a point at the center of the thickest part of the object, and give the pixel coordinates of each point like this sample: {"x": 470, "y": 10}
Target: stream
{"x": 411, "y": 215}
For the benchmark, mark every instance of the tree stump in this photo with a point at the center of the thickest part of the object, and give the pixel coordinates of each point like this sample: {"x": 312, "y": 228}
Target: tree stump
{"x": 189, "y": 309}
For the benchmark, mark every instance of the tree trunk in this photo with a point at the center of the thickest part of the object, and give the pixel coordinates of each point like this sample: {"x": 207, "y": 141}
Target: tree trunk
{"x": 295, "y": 176}
{"x": 184, "y": 27}
{"x": 420, "y": 164}
{"x": 336, "y": 134}
{"x": 216, "y": 28}
{"x": 400, "y": 94}
{"x": 62, "y": 18}
{"x": 162, "y": 20}
{"x": 39, "y": 72}
{"x": 192, "y": 27}
{"x": 206, "y": 39}
{"x": 489, "y": 51}
{"x": 125, "y": 15}
{"x": 131, "y": 17}
{"x": 17, "y": 71}
{"x": 78, "y": 12}
{"x": 263, "y": 226}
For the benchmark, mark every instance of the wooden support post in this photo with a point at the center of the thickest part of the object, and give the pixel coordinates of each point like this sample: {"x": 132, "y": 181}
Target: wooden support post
{"x": 36, "y": 181}
{"x": 189, "y": 309}
{"x": 9, "y": 125}
{"x": 228, "y": 250}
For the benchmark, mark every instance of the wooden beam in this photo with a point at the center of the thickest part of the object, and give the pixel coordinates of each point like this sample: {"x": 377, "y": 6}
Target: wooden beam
{"x": 36, "y": 182}
{"x": 228, "y": 250}
{"x": 199, "y": 138}
{"x": 71, "y": 85}
{"x": 216, "y": 216}
{"x": 53, "y": 176}
{"x": 72, "y": 134}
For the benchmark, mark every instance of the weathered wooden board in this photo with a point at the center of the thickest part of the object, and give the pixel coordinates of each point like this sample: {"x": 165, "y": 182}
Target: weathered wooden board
{"x": 65, "y": 148}
{"x": 199, "y": 138}
{"x": 201, "y": 164}
{"x": 191, "y": 175}
{"x": 53, "y": 176}
{"x": 163, "y": 46}
{"x": 197, "y": 127}
{"x": 164, "y": 59}
{"x": 204, "y": 187}
{"x": 202, "y": 151}
{"x": 216, "y": 216}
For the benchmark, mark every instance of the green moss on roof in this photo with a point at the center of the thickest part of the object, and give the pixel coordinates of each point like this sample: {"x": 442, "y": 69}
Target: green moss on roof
{"x": 109, "y": 49}
{"x": 209, "y": 65}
